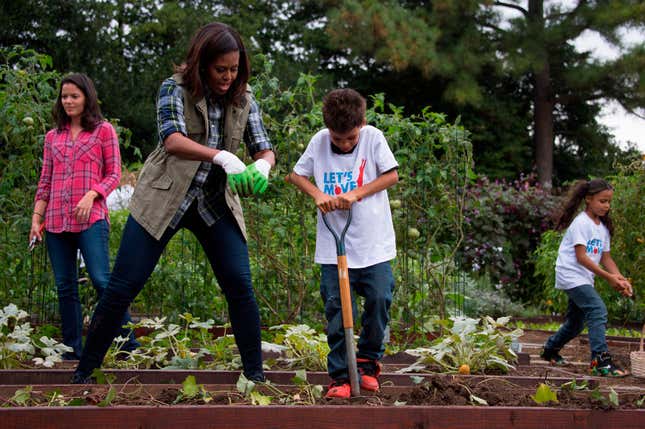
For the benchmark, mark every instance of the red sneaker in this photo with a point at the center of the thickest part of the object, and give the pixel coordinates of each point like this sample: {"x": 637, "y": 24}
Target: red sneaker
{"x": 369, "y": 371}
{"x": 339, "y": 389}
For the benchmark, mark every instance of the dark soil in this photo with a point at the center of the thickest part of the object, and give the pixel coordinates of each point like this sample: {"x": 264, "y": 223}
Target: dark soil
{"x": 577, "y": 354}
{"x": 436, "y": 390}
{"x": 439, "y": 389}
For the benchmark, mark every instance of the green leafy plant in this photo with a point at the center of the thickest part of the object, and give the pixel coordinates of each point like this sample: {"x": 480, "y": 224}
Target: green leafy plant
{"x": 308, "y": 393}
{"x": 247, "y": 388}
{"x": 300, "y": 347}
{"x": 101, "y": 377}
{"x": 575, "y": 385}
{"x": 304, "y": 393}
{"x": 544, "y": 395}
{"x": 628, "y": 242}
{"x": 190, "y": 390}
{"x": 22, "y": 397}
{"x": 611, "y": 401}
{"x": 18, "y": 347}
{"x": 482, "y": 344}
{"x": 503, "y": 223}
{"x": 110, "y": 396}
{"x": 640, "y": 402}
{"x": 173, "y": 346}
{"x": 545, "y": 255}
{"x": 482, "y": 298}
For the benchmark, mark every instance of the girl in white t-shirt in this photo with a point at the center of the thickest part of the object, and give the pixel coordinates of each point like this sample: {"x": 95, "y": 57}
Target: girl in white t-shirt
{"x": 584, "y": 253}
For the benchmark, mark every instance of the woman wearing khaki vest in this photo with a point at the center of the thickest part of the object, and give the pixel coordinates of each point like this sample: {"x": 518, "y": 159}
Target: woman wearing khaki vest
{"x": 193, "y": 180}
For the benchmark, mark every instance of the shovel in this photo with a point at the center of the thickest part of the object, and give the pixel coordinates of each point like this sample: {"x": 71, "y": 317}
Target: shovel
{"x": 346, "y": 302}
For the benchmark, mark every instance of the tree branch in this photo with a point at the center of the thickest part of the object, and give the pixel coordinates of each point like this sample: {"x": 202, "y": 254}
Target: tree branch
{"x": 512, "y": 6}
{"x": 497, "y": 29}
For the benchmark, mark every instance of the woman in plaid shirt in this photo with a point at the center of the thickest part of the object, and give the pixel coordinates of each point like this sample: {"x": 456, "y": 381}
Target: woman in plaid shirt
{"x": 193, "y": 180}
{"x": 81, "y": 166}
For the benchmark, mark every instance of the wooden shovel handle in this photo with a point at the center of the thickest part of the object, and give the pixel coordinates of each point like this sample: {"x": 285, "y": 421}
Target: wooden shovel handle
{"x": 345, "y": 294}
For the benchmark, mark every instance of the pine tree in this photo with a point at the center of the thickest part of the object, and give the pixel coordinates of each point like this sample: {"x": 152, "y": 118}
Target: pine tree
{"x": 468, "y": 44}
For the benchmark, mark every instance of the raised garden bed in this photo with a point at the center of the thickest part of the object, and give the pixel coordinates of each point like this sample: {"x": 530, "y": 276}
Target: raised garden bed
{"x": 155, "y": 398}
{"x": 314, "y": 417}
{"x": 152, "y": 376}
{"x": 440, "y": 402}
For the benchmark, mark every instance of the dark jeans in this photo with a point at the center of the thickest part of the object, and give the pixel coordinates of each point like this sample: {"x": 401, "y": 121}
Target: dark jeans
{"x": 585, "y": 307}
{"x": 376, "y": 284}
{"x": 94, "y": 246}
{"x": 138, "y": 255}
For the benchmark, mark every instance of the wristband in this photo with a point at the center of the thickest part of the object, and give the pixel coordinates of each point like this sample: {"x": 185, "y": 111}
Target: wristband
{"x": 229, "y": 162}
{"x": 263, "y": 167}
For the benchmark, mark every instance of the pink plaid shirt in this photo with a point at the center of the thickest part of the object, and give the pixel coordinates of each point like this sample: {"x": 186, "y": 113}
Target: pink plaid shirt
{"x": 72, "y": 168}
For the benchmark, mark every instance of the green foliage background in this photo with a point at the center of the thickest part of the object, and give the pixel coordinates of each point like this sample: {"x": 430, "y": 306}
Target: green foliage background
{"x": 435, "y": 158}
{"x": 627, "y": 249}
{"x": 473, "y": 60}
{"x": 439, "y": 196}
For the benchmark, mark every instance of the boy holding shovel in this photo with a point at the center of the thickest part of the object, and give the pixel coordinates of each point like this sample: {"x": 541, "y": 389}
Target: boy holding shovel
{"x": 352, "y": 167}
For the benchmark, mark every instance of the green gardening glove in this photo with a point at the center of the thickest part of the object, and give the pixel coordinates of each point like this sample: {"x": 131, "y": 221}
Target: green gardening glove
{"x": 239, "y": 179}
{"x": 241, "y": 183}
{"x": 259, "y": 172}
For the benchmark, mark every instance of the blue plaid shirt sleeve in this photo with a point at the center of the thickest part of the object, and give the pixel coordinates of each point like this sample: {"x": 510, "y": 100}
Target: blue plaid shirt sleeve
{"x": 170, "y": 110}
{"x": 255, "y": 135}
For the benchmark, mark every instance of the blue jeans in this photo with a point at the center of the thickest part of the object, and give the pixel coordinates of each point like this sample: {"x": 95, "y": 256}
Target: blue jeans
{"x": 138, "y": 255}
{"x": 376, "y": 284}
{"x": 62, "y": 249}
{"x": 585, "y": 307}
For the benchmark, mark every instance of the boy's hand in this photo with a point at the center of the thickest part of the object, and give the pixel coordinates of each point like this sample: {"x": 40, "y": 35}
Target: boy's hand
{"x": 325, "y": 203}
{"x": 345, "y": 201}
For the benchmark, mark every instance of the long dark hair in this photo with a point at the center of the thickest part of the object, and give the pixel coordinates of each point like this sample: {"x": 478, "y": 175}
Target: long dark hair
{"x": 208, "y": 43}
{"x": 91, "y": 115}
{"x": 577, "y": 194}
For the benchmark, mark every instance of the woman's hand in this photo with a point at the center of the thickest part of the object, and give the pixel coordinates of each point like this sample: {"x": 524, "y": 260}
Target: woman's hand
{"x": 239, "y": 179}
{"x": 84, "y": 207}
{"x": 259, "y": 173}
{"x": 36, "y": 231}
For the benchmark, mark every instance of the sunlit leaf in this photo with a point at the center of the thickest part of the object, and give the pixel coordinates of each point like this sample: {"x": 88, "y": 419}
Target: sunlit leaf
{"x": 544, "y": 394}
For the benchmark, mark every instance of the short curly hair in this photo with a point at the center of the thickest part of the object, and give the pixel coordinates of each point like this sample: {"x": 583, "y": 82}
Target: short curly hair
{"x": 343, "y": 110}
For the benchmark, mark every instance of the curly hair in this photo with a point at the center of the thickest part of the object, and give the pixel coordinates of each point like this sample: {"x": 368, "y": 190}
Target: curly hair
{"x": 578, "y": 192}
{"x": 91, "y": 116}
{"x": 343, "y": 110}
{"x": 208, "y": 43}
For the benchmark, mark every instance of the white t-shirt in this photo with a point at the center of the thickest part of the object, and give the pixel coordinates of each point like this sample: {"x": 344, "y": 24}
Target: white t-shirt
{"x": 370, "y": 237}
{"x": 582, "y": 231}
